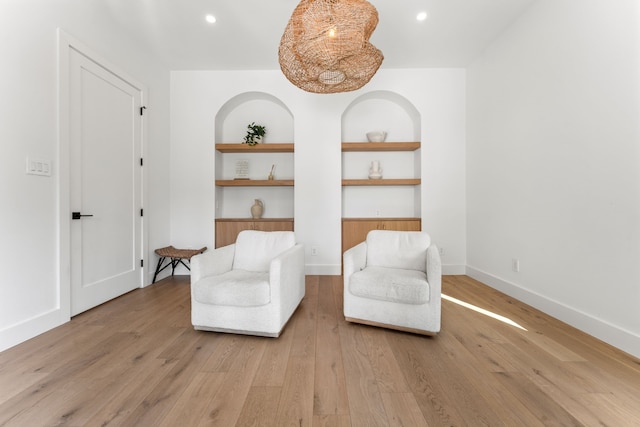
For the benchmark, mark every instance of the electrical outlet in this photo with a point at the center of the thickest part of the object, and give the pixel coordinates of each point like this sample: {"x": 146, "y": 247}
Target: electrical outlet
{"x": 515, "y": 265}
{"x": 441, "y": 250}
{"x": 314, "y": 250}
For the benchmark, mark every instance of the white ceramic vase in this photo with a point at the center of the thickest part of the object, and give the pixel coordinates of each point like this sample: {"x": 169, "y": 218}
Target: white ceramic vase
{"x": 375, "y": 171}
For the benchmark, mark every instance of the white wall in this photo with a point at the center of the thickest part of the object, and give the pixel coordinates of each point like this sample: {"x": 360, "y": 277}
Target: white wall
{"x": 439, "y": 96}
{"x": 553, "y": 165}
{"x": 551, "y": 158}
{"x": 29, "y": 287}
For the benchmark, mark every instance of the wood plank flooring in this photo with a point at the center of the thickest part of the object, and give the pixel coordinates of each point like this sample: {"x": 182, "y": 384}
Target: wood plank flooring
{"x": 136, "y": 361}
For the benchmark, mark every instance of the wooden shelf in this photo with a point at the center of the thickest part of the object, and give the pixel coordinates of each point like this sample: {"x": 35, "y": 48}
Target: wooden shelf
{"x": 380, "y": 146}
{"x": 259, "y": 148}
{"x": 254, "y": 219}
{"x": 254, "y": 182}
{"x": 376, "y": 218}
{"x": 380, "y": 182}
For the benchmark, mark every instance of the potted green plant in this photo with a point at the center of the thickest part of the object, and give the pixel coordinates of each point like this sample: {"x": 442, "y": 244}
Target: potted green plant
{"x": 255, "y": 133}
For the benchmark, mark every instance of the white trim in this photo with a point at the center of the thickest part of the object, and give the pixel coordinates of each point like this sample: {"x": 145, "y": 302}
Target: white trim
{"x": 62, "y": 184}
{"x": 322, "y": 270}
{"x": 335, "y": 270}
{"x": 453, "y": 270}
{"x": 616, "y": 336}
{"x": 65, "y": 44}
{"x": 26, "y": 329}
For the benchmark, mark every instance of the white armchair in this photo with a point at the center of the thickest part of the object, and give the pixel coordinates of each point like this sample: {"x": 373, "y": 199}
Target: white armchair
{"x": 250, "y": 287}
{"x": 394, "y": 280}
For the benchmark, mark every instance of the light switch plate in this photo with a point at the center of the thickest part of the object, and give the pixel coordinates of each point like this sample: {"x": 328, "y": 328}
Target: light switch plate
{"x": 38, "y": 167}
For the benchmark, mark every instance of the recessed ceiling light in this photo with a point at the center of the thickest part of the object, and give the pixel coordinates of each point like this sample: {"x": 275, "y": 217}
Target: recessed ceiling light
{"x": 210, "y": 19}
{"x": 421, "y": 16}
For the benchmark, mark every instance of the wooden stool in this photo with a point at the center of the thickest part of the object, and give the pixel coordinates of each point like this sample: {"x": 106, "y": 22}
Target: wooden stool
{"x": 176, "y": 257}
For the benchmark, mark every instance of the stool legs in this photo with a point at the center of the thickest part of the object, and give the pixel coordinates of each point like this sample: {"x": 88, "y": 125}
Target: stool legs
{"x": 158, "y": 269}
{"x": 176, "y": 256}
{"x": 173, "y": 263}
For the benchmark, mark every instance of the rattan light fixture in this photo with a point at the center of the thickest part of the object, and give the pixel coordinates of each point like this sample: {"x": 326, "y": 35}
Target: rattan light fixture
{"x": 325, "y": 47}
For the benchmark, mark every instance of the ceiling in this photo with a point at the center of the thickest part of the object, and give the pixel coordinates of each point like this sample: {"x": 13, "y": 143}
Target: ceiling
{"x": 247, "y": 32}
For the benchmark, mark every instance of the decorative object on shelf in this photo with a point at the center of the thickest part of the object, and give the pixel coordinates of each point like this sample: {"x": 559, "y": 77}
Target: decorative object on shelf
{"x": 257, "y": 208}
{"x": 377, "y": 136}
{"x": 271, "y": 177}
{"x": 375, "y": 172}
{"x": 325, "y": 47}
{"x": 255, "y": 134}
{"x": 242, "y": 169}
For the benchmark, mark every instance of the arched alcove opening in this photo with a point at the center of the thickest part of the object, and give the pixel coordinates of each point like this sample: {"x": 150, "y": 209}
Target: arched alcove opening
{"x": 262, "y": 108}
{"x": 392, "y": 200}
{"x": 381, "y": 110}
{"x": 244, "y": 175}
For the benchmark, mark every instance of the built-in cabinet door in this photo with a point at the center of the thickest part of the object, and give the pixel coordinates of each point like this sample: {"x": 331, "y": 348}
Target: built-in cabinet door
{"x": 227, "y": 229}
{"x": 274, "y": 225}
{"x": 354, "y": 230}
{"x": 402, "y": 224}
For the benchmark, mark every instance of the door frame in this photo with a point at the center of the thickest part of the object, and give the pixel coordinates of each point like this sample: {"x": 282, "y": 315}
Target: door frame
{"x": 65, "y": 44}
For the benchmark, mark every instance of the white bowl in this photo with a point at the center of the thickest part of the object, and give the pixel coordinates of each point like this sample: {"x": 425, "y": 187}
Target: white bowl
{"x": 376, "y": 136}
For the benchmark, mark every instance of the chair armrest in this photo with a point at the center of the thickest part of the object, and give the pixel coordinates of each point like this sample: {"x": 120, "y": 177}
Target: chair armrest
{"x": 354, "y": 259}
{"x": 288, "y": 266}
{"x": 212, "y": 263}
{"x": 434, "y": 271}
{"x": 287, "y": 279}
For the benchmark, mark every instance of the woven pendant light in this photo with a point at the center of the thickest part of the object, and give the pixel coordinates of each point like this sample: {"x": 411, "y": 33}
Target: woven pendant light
{"x": 325, "y": 47}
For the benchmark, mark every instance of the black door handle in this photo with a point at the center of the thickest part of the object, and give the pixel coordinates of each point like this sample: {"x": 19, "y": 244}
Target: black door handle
{"x": 77, "y": 215}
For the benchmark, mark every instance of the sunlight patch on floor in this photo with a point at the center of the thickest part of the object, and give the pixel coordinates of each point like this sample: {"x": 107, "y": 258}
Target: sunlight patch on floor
{"x": 482, "y": 311}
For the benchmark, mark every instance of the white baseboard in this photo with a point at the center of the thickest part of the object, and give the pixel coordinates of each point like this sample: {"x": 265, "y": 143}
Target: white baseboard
{"x": 29, "y": 328}
{"x": 335, "y": 270}
{"x": 453, "y": 270}
{"x": 323, "y": 270}
{"x": 618, "y": 337}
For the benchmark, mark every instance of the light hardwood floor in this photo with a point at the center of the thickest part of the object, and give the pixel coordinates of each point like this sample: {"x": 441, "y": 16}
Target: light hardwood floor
{"x": 137, "y": 361}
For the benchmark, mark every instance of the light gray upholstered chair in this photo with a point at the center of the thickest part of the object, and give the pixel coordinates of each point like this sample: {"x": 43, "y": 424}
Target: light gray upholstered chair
{"x": 394, "y": 280}
{"x": 250, "y": 287}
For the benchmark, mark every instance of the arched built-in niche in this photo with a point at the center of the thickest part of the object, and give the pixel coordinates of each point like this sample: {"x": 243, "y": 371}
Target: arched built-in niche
{"x": 381, "y": 110}
{"x": 233, "y": 197}
{"x": 262, "y": 108}
{"x": 394, "y": 201}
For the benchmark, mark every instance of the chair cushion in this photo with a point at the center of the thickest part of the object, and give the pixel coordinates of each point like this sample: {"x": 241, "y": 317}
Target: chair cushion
{"x": 397, "y": 249}
{"x": 390, "y": 284}
{"x": 238, "y": 288}
{"x": 255, "y": 249}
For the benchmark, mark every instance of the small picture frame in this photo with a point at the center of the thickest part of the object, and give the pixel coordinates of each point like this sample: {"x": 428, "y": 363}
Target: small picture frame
{"x": 242, "y": 169}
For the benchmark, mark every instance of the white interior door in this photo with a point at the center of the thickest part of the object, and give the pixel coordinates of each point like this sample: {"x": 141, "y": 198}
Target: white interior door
{"x": 105, "y": 184}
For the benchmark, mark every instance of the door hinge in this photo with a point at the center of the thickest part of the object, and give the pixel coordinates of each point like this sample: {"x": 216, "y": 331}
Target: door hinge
{"x": 142, "y": 110}
{"x": 141, "y": 212}
{"x": 141, "y": 161}
{"x": 141, "y": 263}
